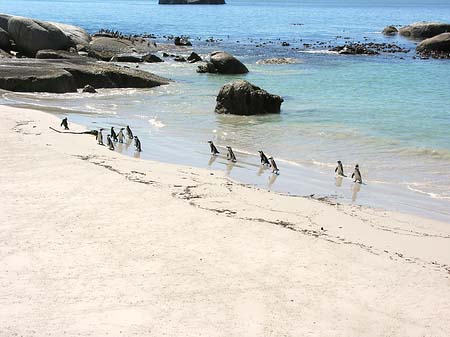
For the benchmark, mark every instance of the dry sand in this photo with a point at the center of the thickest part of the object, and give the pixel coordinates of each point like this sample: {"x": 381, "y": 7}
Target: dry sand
{"x": 94, "y": 243}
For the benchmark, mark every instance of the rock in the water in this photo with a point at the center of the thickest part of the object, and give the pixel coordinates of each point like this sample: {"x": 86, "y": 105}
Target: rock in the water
{"x": 132, "y": 58}
{"x": 243, "y": 98}
{"x": 56, "y": 54}
{"x": 182, "y": 41}
{"x": 194, "y": 57}
{"x": 224, "y": 63}
{"x": 151, "y": 58}
{"x": 424, "y": 30}
{"x": 179, "y": 58}
{"x": 77, "y": 36}
{"x": 191, "y": 2}
{"x": 354, "y": 49}
{"x": 279, "y": 60}
{"x": 60, "y": 76}
{"x": 390, "y": 31}
{"x": 440, "y": 42}
{"x": 32, "y": 35}
{"x": 105, "y": 48}
{"x": 208, "y": 67}
{"x": 5, "y": 43}
{"x": 89, "y": 89}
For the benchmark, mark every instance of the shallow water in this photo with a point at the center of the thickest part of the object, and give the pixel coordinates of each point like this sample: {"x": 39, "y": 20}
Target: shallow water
{"x": 386, "y": 113}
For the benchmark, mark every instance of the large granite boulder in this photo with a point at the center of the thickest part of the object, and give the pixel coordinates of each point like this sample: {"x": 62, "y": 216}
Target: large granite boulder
{"x": 32, "y": 35}
{"x": 191, "y": 2}
{"x": 56, "y": 54}
{"x": 223, "y": 63}
{"x": 243, "y": 98}
{"x": 390, "y": 31}
{"x": 424, "y": 30}
{"x": 4, "y": 18}
{"x": 77, "y": 36}
{"x": 105, "y": 48}
{"x": 59, "y": 76}
{"x": 5, "y": 43}
{"x": 440, "y": 43}
{"x": 132, "y": 58}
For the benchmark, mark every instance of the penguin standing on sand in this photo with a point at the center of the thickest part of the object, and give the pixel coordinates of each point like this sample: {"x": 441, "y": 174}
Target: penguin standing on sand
{"x": 137, "y": 144}
{"x": 129, "y": 132}
{"x": 214, "y": 150}
{"x": 340, "y": 169}
{"x": 113, "y": 134}
{"x": 100, "y": 137}
{"x": 357, "y": 175}
{"x": 120, "y": 135}
{"x": 230, "y": 154}
{"x": 264, "y": 160}
{"x": 110, "y": 143}
{"x": 65, "y": 124}
{"x": 274, "y": 166}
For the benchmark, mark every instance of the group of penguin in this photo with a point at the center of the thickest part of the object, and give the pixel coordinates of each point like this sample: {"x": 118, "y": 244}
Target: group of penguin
{"x": 270, "y": 162}
{"x": 112, "y": 137}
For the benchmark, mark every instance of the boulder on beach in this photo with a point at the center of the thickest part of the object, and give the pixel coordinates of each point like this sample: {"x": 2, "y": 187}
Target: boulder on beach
{"x": 191, "y": 2}
{"x": 439, "y": 43}
{"x": 424, "y": 30}
{"x": 5, "y": 42}
{"x": 56, "y": 54}
{"x": 89, "y": 89}
{"x": 194, "y": 57}
{"x": 151, "y": 58}
{"x": 76, "y": 35}
{"x": 32, "y": 35}
{"x": 223, "y": 63}
{"x": 390, "y": 31}
{"x": 243, "y": 98}
{"x": 59, "y": 76}
{"x": 105, "y": 48}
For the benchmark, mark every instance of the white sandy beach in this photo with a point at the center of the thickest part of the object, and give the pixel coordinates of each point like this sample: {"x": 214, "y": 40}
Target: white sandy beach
{"x": 94, "y": 243}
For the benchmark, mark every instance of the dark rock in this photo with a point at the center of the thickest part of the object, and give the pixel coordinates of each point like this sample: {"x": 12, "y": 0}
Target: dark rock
{"x": 285, "y": 44}
{"x": 56, "y": 54}
{"x": 191, "y": 2}
{"x": 67, "y": 75}
{"x": 354, "y": 49}
{"x": 194, "y": 57}
{"x": 165, "y": 54}
{"x": 4, "y": 18}
{"x": 424, "y": 30}
{"x": 243, "y": 98}
{"x": 132, "y": 58}
{"x": 5, "y": 42}
{"x": 435, "y": 47}
{"x": 227, "y": 64}
{"x": 182, "y": 41}
{"x": 31, "y": 35}
{"x": 89, "y": 89}
{"x": 5, "y": 55}
{"x": 151, "y": 58}
{"x": 179, "y": 59}
{"x": 208, "y": 67}
{"x": 390, "y": 31}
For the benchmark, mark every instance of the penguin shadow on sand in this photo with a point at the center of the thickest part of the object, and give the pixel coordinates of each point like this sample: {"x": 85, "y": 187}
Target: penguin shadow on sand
{"x": 229, "y": 167}
{"x": 356, "y": 187}
{"x": 272, "y": 180}
{"x": 338, "y": 181}
{"x": 211, "y": 160}
{"x": 137, "y": 154}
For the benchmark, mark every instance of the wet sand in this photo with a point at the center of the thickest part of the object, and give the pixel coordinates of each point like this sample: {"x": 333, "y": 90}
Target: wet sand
{"x": 98, "y": 243}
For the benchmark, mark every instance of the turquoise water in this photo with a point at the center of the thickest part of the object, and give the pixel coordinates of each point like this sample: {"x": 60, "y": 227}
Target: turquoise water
{"x": 389, "y": 113}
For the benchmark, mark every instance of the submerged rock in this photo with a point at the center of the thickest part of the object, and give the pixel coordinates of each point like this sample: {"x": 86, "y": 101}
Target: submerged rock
{"x": 243, "y": 98}
{"x": 424, "y": 30}
{"x": 223, "y": 63}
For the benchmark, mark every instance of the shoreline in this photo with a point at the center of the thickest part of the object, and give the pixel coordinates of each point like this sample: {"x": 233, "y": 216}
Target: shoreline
{"x": 99, "y": 243}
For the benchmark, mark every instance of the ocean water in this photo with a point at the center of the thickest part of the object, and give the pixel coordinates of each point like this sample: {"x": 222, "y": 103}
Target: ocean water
{"x": 389, "y": 113}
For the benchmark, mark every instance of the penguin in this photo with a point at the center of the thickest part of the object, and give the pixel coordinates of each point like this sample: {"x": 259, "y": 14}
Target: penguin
{"x": 65, "y": 124}
{"x": 274, "y": 166}
{"x": 113, "y": 134}
{"x": 357, "y": 175}
{"x": 264, "y": 160}
{"x": 137, "y": 144}
{"x": 340, "y": 169}
{"x": 214, "y": 150}
{"x": 230, "y": 154}
{"x": 100, "y": 137}
{"x": 120, "y": 135}
{"x": 110, "y": 143}
{"x": 129, "y": 132}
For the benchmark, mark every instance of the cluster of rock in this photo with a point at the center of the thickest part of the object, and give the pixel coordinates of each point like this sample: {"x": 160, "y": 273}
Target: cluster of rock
{"x": 434, "y": 35}
{"x": 243, "y": 98}
{"x": 370, "y": 48}
{"x": 279, "y": 60}
{"x": 221, "y": 62}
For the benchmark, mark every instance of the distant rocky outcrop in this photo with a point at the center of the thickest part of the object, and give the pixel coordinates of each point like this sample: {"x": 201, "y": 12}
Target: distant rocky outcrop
{"x": 279, "y": 60}
{"x": 390, "y": 31}
{"x": 370, "y": 48}
{"x": 424, "y": 30}
{"x": 59, "y": 76}
{"x": 437, "y": 46}
{"x": 191, "y": 2}
{"x": 223, "y": 63}
{"x": 243, "y": 98}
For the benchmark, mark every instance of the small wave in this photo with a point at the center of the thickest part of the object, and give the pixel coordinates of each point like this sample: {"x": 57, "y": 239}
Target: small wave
{"x": 156, "y": 123}
{"x": 430, "y": 194}
{"x": 427, "y": 152}
{"x": 319, "y": 51}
